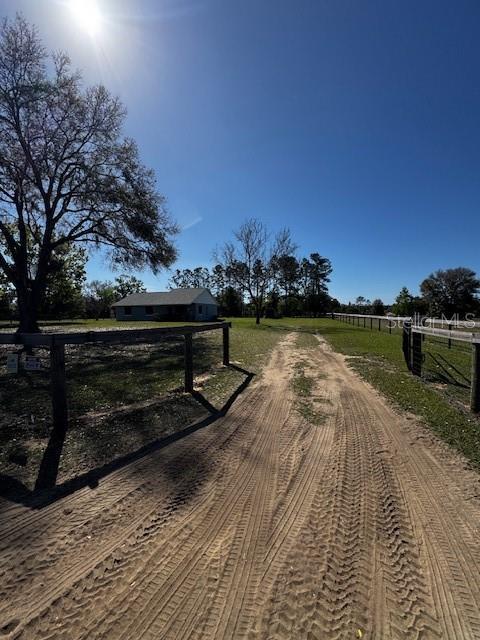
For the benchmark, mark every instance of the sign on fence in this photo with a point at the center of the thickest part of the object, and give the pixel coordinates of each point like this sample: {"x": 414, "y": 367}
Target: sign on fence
{"x": 12, "y": 363}
{"x": 32, "y": 363}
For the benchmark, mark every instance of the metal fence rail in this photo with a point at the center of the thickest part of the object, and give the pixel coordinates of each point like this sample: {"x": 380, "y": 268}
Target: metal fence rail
{"x": 413, "y": 336}
{"x": 363, "y": 319}
{"x": 466, "y": 324}
{"x": 459, "y": 336}
{"x": 365, "y": 315}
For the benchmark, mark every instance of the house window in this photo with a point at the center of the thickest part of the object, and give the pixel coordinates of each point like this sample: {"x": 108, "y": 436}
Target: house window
{"x": 149, "y": 311}
{"x": 127, "y": 311}
{"x": 200, "y": 309}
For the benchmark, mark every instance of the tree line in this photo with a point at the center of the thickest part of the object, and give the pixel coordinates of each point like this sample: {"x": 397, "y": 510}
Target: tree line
{"x": 445, "y": 292}
{"x": 257, "y": 273}
{"x": 68, "y": 295}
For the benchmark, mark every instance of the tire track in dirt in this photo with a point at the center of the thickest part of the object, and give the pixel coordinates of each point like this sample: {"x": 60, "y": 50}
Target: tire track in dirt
{"x": 259, "y": 526}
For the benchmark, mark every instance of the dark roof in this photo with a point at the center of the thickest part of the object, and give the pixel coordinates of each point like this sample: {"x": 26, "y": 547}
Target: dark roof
{"x": 157, "y": 298}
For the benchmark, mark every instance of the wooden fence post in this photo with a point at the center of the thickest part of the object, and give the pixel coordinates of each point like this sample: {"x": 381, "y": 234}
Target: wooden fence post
{"x": 58, "y": 384}
{"x": 188, "y": 351}
{"x": 407, "y": 344}
{"x": 379, "y": 324}
{"x": 364, "y": 323}
{"x": 417, "y": 353}
{"x": 226, "y": 346}
{"x": 475, "y": 389}
{"x": 371, "y": 324}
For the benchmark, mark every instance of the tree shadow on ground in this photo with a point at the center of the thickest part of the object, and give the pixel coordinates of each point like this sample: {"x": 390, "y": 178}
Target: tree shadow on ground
{"x": 15, "y": 491}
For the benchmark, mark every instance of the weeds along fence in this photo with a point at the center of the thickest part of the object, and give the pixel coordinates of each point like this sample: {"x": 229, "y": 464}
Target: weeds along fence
{"x": 447, "y": 357}
{"x": 52, "y": 363}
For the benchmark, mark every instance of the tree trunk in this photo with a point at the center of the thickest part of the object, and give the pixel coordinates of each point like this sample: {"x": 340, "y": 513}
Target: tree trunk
{"x": 257, "y": 314}
{"x": 27, "y": 311}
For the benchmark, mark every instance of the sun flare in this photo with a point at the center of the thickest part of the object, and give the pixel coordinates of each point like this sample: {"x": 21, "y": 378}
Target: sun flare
{"x": 87, "y": 15}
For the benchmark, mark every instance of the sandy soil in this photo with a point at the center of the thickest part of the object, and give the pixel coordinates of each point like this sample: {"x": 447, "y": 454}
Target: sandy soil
{"x": 259, "y": 526}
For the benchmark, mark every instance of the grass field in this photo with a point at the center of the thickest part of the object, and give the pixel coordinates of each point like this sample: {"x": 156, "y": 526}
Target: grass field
{"x": 123, "y": 397}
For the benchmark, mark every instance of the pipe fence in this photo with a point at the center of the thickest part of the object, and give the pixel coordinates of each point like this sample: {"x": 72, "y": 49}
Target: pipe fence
{"x": 414, "y": 335}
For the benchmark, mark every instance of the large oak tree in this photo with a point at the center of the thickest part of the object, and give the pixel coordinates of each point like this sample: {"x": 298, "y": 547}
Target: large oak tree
{"x": 451, "y": 291}
{"x": 67, "y": 174}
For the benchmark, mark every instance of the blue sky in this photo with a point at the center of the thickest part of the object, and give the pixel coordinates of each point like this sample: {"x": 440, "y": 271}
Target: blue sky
{"x": 355, "y": 123}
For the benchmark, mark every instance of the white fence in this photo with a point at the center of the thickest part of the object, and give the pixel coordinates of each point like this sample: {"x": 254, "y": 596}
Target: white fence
{"x": 413, "y": 337}
{"x": 449, "y": 334}
{"x": 459, "y": 336}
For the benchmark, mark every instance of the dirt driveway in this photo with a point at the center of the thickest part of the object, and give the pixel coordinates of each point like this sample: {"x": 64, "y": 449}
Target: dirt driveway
{"x": 259, "y": 526}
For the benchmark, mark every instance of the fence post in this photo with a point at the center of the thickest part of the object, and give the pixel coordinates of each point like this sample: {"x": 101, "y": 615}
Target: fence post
{"x": 364, "y": 322}
{"x": 58, "y": 384}
{"x": 407, "y": 344}
{"x": 417, "y": 353}
{"x": 449, "y": 339}
{"x": 379, "y": 324}
{"x": 371, "y": 324}
{"x": 226, "y": 346}
{"x": 475, "y": 389}
{"x": 188, "y": 362}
